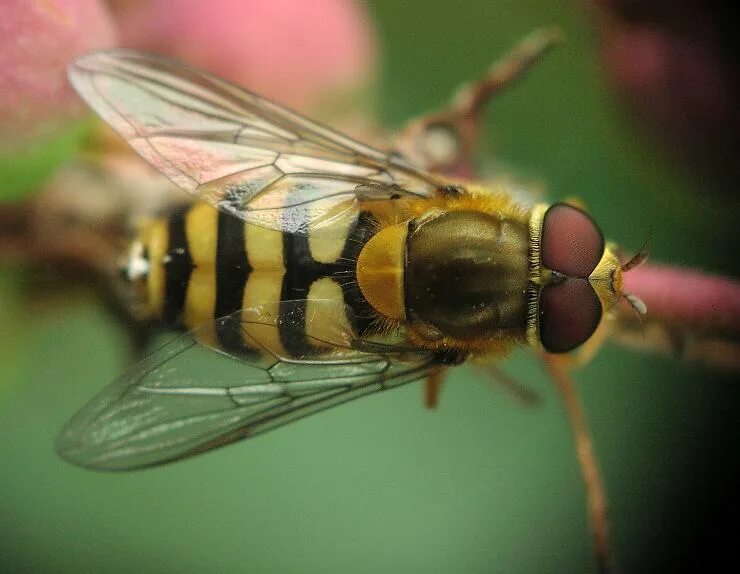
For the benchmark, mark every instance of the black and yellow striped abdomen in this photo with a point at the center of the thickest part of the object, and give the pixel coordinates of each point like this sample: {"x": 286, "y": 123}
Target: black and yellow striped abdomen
{"x": 202, "y": 264}
{"x": 452, "y": 276}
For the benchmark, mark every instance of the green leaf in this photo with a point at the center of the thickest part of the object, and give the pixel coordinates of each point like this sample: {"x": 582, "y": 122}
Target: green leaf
{"x": 24, "y": 170}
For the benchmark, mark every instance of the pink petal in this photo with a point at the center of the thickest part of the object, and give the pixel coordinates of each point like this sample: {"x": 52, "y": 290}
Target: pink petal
{"x": 294, "y": 52}
{"x": 38, "y": 38}
{"x": 687, "y": 296}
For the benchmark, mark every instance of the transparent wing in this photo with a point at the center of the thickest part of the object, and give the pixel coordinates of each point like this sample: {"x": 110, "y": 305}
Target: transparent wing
{"x": 244, "y": 155}
{"x": 190, "y": 396}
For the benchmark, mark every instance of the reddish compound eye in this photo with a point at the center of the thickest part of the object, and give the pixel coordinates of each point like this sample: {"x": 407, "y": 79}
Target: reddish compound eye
{"x": 570, "y": 312}
{"x": 572, "y": 244}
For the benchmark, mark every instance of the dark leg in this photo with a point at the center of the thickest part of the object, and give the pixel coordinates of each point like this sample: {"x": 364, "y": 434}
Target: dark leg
{"x": 432, "y": 387}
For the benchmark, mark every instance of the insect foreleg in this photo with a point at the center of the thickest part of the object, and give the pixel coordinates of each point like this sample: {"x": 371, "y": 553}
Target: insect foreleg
{"x": 595, "y": 494}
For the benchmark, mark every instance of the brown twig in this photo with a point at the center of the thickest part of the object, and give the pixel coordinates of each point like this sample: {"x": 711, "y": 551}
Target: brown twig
{"x": 688, "y": 296}
{"x": 446, "y": 141}
{"x": 691, "y": 315}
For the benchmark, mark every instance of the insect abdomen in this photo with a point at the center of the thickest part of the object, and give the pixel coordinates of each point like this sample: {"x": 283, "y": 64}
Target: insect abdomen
{"x": 204, "y": 265}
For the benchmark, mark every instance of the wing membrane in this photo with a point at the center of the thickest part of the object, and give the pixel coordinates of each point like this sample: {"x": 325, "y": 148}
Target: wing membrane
{"x": 189, "y": 397}
{"x": 229, "y": 147}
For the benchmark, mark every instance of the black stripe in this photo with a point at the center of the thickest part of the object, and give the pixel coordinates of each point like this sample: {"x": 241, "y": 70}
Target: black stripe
{"x": 178, "y": 266}
{"x": 301, "y": 270}
{"x": 232, "y": 272}
{"x": 363, "y": 314}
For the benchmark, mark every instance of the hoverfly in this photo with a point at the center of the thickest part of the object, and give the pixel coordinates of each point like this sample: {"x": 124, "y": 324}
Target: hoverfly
{"x": 322, "y": 268}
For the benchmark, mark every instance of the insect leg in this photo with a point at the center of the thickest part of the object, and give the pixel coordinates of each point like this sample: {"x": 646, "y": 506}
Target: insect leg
{"x": 432, "y": 387}
{"x": 595, "y": 494}
{"x": 586, "y": 352}
{"x": 515, "y": 389}
{"x": 445, "y": 141}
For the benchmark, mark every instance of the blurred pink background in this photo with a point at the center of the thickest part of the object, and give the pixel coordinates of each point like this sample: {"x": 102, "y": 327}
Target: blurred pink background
{"x": 293, "y": 52}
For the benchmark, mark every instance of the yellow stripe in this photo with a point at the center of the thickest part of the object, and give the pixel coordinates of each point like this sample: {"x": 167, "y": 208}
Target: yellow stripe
{"x": 327, "y": 322}
{"x": 155, "y": 237}
{"x": 201, "y": 231}
{"x": 261, "y": 301}
{"x": 536, "y": 220}
{"x": 328, "y": 233}
{"x": 264, "y": 248}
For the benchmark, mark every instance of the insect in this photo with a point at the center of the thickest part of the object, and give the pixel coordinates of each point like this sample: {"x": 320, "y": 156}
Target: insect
{"x": 318, "y": 269}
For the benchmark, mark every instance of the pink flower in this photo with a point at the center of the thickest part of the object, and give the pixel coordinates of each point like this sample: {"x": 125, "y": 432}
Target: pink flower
{"x": 687, "y": 297}
{"x": 673, "y": 64}
{"x": 294, "y": 52}
{"x": 38, "y": 38}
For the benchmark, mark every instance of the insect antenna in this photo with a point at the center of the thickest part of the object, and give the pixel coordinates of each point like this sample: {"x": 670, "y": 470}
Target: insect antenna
{"x": 641, "y": 256}
{"x": 637, "y": 304}
{"x": 638, "y": 259}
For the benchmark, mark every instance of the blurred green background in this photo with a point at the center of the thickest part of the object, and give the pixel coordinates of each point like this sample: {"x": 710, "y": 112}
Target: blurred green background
{"x": 382, "y": 485}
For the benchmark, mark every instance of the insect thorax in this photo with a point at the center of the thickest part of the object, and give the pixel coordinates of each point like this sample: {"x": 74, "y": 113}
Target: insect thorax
{"x": 466, "y": 276}
{"x": 457, "y": 278}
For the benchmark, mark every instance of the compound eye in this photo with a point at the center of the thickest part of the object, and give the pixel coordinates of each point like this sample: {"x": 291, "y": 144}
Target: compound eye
{"x": 572, "y": 244}
{"x": 570, "y": 312}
